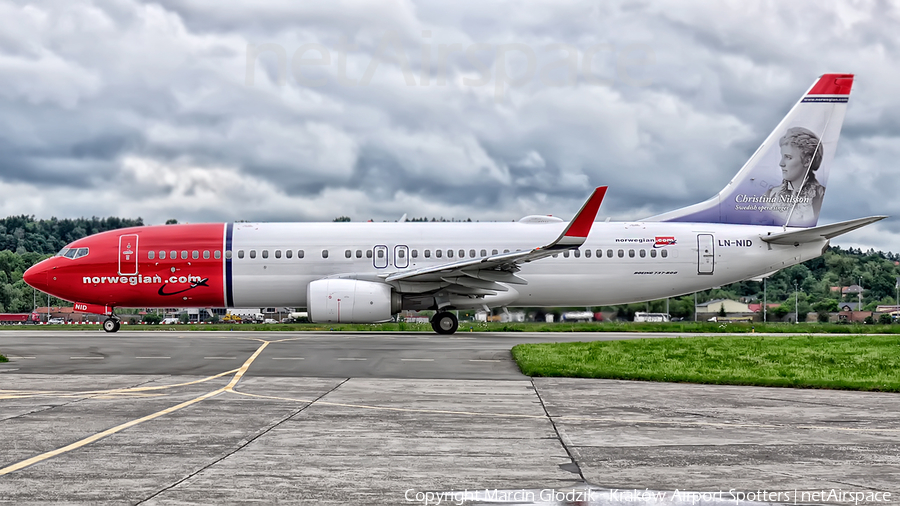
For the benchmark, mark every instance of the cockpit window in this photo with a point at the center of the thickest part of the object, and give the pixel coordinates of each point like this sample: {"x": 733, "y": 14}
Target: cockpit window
{"x": 73, "y": 253}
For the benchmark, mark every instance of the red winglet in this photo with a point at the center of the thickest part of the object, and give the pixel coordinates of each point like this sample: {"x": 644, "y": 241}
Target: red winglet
{"x": 582, "y": 222}
{"x": 832, "y": 84}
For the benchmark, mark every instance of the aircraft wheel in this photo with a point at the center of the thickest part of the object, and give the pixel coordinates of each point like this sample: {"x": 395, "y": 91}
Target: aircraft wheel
{"x": 110, "y": 325}
{"x": 444, "y": 323}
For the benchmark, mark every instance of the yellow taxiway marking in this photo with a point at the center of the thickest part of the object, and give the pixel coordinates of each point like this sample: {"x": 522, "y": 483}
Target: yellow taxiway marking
{"x": 18, "y": 394}
{"x": 108, "y": 432}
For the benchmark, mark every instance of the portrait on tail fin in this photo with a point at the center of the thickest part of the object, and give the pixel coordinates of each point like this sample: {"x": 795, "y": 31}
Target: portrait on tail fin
{"x": 798, "y": 153}
{"x": 799, "y": 197}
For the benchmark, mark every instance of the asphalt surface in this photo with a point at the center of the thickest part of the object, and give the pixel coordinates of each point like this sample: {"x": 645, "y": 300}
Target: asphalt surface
{"x": 329, "y": 418}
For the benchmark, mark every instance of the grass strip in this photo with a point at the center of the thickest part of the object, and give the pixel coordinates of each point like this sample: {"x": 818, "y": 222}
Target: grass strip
{"x": 3, "y": 359}
{"x": 859, "y": 362}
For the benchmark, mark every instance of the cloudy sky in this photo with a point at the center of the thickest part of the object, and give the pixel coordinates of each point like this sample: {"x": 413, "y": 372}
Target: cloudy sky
{"x": 203, "y": 110}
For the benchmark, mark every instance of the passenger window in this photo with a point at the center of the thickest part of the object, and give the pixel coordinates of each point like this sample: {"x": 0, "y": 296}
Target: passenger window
{"x": 288, "y": 253}
{"x": 631, "y": 253}
{"x": 368, "y": 253}
{"x": 609, "y": 253}
{"x": 415, "y": 253}
{"x": 162, "y": 255}
{"x": 664, "y": 253}
{"x": 265, "y": 253}
{"x": 278, "y": 253}
{"x": 151, "y": 255}
{"x": 324, "y": 253}
{"x": 195, "y": 254}
{"x": 348, "y": 254}
{"x": 228, "y": 254}
{"x": 484, "y": 253}
{"x": 184, "y": 254}
{"x": 653, "y": 253}
{"x": 300, "y": 253}
{"x": 494, "y": 252}
{"x": 206, "y": 254}
{"x": 428, "y": 253}
{"x": 587, "y": 253}
{"x": 240, "y": 253}
{"x": 253, "y": 253}
{"x": 643, "y": 253}
{"x": 566, "y": 253}
{"x": 359, "y": 253}
{"x": 472, "y": 253}
{"x": 599, "y": 253}
{"x": 577, "y": 253}
{"x": 506, "y": 251}
{"x": 449, "y": 253}
{"x": 462, "y": 253}
{"x": 621, "y": 253}
{"x": 437, "y": 253}
{"x": 173, "y": 254}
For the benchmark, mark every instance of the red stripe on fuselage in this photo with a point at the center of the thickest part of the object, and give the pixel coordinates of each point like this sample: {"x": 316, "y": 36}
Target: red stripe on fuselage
{"x": 159, "y": 282}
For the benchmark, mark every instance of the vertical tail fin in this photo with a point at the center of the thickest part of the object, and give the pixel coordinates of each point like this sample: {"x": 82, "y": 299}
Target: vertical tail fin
{"x": 783, "y": 183}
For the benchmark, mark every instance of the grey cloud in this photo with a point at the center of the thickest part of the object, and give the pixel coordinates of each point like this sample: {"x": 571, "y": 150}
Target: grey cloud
{"x": 153, "y": 96}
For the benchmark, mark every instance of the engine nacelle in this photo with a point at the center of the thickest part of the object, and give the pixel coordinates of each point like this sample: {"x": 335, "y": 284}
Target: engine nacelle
{"x": 350, "y": 301}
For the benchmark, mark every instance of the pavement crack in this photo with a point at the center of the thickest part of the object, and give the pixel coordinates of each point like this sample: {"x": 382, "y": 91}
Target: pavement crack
{"x": 242, "y": 444}
{"x": 574, "y": 467}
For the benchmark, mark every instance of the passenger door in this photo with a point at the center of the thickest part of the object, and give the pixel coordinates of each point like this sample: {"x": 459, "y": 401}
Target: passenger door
{"x": 128, "y": 255}
{"x": 706, "y": 254}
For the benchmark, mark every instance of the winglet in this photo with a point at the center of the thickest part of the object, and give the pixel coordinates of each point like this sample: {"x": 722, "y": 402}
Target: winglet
{"x": 578, "y": 229}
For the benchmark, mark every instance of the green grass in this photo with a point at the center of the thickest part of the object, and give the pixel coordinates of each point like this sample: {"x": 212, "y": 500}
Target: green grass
{"x": 858, "y": 362}
{"x": 3, "y": 359}
{"x": 465, "y": 326}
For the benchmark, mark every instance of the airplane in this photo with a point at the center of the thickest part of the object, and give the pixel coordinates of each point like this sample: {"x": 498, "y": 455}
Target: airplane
{"x": 765, "y": 219}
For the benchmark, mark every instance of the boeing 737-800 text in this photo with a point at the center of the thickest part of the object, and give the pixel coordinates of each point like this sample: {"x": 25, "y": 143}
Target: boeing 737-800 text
{"x": 762, "y": 221}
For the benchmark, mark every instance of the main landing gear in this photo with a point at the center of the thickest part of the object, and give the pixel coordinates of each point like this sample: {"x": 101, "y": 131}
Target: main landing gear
{"x": 111, "y": 324}
{"x": 444, "y": 322}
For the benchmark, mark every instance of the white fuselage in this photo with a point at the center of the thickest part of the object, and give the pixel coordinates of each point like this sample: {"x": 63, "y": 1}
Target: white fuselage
{"x": 636, "y": 261}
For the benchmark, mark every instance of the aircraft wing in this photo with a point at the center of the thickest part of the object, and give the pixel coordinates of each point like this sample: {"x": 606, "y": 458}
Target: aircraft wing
{"x": 481, "y": 276}
{"x": 821, "y": 232}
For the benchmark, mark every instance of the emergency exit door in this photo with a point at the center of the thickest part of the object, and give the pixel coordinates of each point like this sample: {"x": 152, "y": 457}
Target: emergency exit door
{"x": 706, "y": 254}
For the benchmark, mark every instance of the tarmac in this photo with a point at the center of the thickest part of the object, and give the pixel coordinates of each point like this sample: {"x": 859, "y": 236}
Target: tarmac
{"x": 225, "y": 421}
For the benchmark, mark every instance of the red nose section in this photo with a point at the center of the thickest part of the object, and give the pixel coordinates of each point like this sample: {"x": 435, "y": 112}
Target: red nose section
{"x": 36, "y": 276}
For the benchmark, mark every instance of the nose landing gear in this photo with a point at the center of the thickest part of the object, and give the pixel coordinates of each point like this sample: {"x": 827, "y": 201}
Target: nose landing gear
{"x": 111, "y": 324}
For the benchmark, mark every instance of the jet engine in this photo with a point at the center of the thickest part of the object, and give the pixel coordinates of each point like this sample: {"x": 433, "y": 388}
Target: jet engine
{"x": 350, "y": 301}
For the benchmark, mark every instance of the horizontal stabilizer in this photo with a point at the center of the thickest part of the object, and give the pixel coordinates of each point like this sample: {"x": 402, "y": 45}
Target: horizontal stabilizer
{"x": 820, "y": 233}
